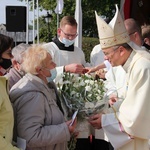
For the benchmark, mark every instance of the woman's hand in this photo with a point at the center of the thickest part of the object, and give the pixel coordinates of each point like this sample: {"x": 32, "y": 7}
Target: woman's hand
{"x": 95, "y": 121}
{"x": 72, "y": 126}
{"x": 112, "y": 99}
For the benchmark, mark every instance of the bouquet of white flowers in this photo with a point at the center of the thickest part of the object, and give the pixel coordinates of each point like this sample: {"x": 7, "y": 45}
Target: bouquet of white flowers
{"x": 83, "y": 93}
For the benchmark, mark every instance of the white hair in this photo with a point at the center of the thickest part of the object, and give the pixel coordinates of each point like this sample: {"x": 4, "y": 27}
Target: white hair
{"x": 18, "y": 50}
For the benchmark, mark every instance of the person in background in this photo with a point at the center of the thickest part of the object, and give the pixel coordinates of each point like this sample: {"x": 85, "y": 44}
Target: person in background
{"x": 39, "y": 120}
{"x": 6, "y": 110}
{"x": 146, "y": 34}
{"x": 96, "y": 56}
{"x": 68, "y": 58}
{"x": 135, "y": 32}
{"x": 16, "y": 73}
{"x": 122, "y": 126}
{"x": 6, "y": 44}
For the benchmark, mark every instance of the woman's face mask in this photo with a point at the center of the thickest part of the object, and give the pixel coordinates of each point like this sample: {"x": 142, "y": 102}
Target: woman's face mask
{"x": 53, "y": 75}
{"x": 5, "y": 63}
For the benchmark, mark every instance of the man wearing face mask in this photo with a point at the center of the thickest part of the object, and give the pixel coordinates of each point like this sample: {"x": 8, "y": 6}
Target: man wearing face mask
{"x": 67, "y": 57}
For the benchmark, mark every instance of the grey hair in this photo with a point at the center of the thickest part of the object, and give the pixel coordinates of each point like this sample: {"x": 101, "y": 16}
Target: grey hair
{"x": 18, "y": 50}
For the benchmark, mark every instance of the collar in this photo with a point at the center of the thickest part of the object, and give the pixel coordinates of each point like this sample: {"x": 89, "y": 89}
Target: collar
{"x": 2, "y": 71}
{"x": 134, "y": 56}
{"x": 61, "y": 46}
{"x": 31, "y": 77}
{"x": 127, "y": 63}
{"x": 147, "y": 47}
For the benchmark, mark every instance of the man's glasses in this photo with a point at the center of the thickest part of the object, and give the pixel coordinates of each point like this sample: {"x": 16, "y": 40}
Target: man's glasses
{"x": 70, "y": 35}
{"x": 132, "y": 33}
{"x": 113, "y": 51}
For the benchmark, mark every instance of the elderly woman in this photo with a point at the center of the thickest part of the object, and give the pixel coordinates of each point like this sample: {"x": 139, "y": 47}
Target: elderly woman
{"x": 16, "y": 73}
{"x": 6, "y": 44}
{"x": 39, "y": 120}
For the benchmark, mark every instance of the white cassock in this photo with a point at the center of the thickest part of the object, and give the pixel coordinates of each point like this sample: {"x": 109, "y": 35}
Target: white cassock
{"x": 134, "y": 112}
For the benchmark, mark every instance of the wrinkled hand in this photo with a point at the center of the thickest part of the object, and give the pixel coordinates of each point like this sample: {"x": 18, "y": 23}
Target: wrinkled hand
{"x": 112, "y": 101}
{"x": 85, "y": 70}
{"x": 95, "y": 121}
{"x": 74, "y": 68}
{"x": 91, "y": 70}
{"x": 101, "y": 73}
{"x": 72, "y": 127}
{"x": 96, "y": 68}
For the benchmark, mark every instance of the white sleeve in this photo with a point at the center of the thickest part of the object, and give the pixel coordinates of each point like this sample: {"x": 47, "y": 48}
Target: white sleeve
{"x": 107, "y": 64}
{"x": 112, "y": 129}
{"x": 59, "y": 76}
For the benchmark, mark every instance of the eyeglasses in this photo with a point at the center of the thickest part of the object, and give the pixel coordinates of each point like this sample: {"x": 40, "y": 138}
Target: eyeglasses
{"x": 70, "y": 35}
{"x": 114, "y": 50}
{"x": 132, "y": 33}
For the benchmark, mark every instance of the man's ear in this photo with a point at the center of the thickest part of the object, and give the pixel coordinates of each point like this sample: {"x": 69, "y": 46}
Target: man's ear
{"x": 122, "y": 50}
{"x": 146, "y": 40}
{"x": 58, "y": 31}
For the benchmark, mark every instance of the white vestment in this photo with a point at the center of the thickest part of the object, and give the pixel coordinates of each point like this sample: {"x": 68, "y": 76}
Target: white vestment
{"x": 134, "y": 112}
{"x": 96, "y": 56}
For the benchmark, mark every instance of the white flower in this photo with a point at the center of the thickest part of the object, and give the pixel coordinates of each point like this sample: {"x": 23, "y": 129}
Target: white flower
{"x": 87, "y": 75}
{"x": 82, "y": 93}
{"x": 67, "y": 82}
{"x": 88, "y": 88}
{"x": 91, "y": 82}
{"x": 81, "y": 83}
{"x": 87, "y": 81}
{"x": 76, "y": 85}
{"x": 98, "y": 98}
{"x": 72, "y": 93}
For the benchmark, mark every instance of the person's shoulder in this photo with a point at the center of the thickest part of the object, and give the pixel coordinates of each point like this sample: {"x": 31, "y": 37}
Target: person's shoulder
{"x": 26, "y": 86}
{"x": 96, "y": 49}
{"x": 98, "y": 46}
{"x": 48, "y": 44}
{"x": 146, "y": 46}
{"x": 10, "y": 73}
{"x": 51, "y": 47}
{"x": 143, "y": 62}
{"x": 77, "y": 49}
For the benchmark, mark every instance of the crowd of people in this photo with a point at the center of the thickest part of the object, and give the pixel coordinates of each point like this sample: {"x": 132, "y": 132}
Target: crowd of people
{"x": 30, "y": 106}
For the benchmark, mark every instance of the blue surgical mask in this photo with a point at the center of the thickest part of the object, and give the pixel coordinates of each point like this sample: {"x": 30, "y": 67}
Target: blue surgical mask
{"x": 67, "y": 42}
{"x": 53, "y": 75}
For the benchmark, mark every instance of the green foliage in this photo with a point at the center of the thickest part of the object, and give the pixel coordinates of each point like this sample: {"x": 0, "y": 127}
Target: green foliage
{"x": 89, "y": 27}
{"x": 103, "y": 7}
{"x": 87, "y": 45}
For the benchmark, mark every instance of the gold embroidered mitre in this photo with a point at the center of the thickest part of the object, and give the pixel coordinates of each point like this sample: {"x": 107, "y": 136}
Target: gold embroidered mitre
{"x": 113, "y": 33}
